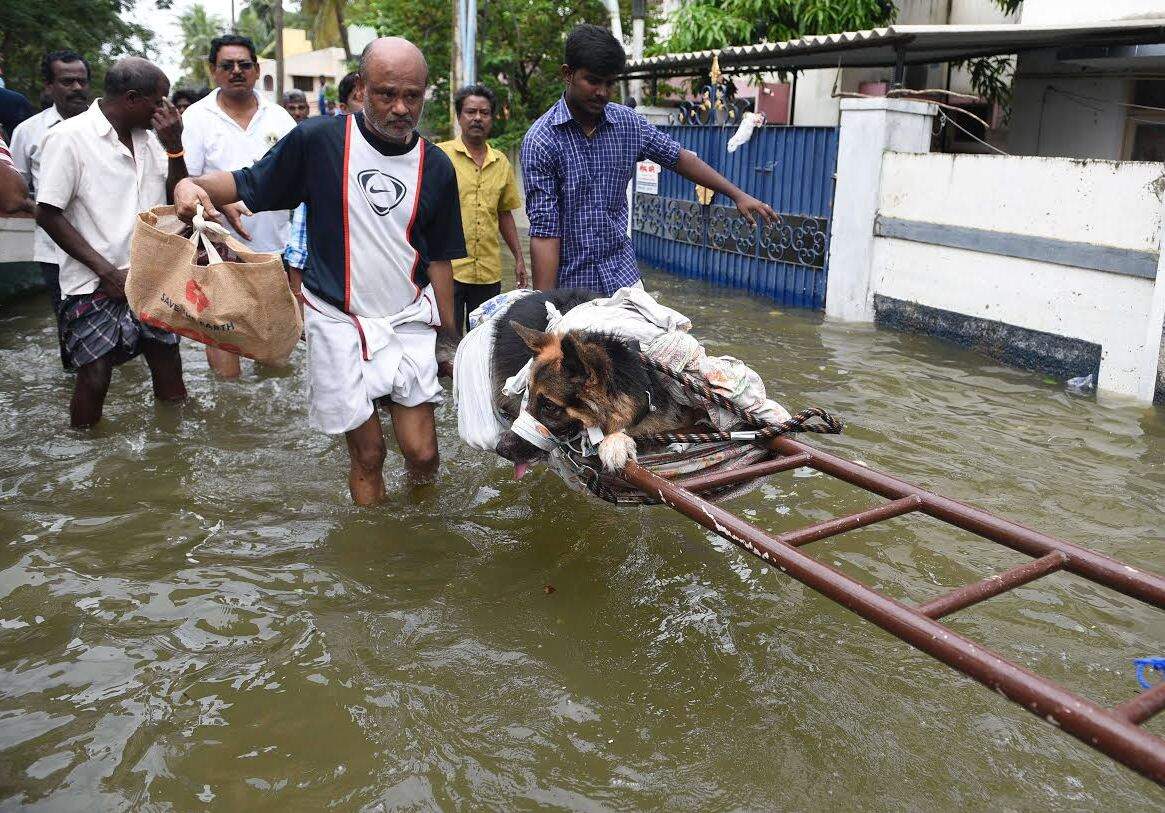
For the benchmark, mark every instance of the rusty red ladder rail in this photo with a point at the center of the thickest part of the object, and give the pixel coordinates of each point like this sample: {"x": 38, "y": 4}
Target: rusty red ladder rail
{"x": 1116, "y": 732}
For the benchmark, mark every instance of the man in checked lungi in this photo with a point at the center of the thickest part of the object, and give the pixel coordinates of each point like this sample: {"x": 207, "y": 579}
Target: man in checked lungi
{"x": 98, "y": 170}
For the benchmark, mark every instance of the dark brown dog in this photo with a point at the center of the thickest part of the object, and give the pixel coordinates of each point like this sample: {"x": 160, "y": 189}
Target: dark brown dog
{"x": 584, "y": 380}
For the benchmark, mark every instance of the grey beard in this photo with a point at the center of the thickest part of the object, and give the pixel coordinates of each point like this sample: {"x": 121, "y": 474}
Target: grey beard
{"x": 379, "y": 128}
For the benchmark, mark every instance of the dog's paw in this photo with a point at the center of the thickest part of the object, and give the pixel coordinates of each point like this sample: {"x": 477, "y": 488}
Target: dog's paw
{"x": 615, "y": 450}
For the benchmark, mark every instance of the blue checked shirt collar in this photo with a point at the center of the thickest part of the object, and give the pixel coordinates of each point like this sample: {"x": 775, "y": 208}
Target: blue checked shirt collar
{"x": 560, "y": 113}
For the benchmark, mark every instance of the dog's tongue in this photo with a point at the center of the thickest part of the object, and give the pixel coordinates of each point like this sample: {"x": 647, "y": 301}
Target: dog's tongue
{"x": 520, "y": 470}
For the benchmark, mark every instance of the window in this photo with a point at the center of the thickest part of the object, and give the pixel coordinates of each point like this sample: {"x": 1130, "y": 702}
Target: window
{"x": 1145, "y": 132}
{"x": 269, "y": 83}
{"x": 304, "y": 83}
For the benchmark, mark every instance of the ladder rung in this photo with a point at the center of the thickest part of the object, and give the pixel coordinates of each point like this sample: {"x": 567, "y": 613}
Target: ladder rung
{"x": 861, "y": 519}
{"x": 993, "y": 585}
{"x": 707, "y": 482}
{"x": 1143, "y": 706}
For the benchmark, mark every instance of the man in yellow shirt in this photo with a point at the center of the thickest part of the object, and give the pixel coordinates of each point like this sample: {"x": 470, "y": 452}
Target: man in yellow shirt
{"x": 489, "y": 194}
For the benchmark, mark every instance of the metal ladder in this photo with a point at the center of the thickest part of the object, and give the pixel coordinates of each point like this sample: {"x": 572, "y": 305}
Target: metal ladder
{"x": 1115, "y": 731}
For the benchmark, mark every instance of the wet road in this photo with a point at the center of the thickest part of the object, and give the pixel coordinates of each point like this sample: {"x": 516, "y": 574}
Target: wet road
{"x": 192, "y": 616}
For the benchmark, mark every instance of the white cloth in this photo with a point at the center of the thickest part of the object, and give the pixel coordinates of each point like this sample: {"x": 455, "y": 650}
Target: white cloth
{"x": 748, "y": 123}
{"x": 89, "y": 175}
{"x": 478, "y": 420}
{"x": 213, "y": 141}
{"x": 27, "y": 143}
{"x": 353, "y": 360}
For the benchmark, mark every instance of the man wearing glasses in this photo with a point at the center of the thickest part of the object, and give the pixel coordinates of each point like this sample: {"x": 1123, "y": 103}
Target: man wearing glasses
{"x": 232, "y": 128}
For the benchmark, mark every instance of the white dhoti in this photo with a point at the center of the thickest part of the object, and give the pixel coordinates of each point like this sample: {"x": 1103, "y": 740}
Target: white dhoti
{"x": 353, "y": 360}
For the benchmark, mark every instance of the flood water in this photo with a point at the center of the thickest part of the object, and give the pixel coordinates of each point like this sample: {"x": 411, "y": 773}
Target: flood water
{"x": 193, "y": 616}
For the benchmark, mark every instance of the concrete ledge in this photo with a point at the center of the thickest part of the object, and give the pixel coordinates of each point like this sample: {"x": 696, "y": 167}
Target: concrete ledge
{"x": 1110, "y": 259}
{"x": 1027, "y": 349}
{"x": 917, "y": 107}
{"x": 18, "y": 279}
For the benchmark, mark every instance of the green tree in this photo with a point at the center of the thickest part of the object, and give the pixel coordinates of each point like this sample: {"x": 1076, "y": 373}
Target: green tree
{"x": 329, "y": 26}
{"x": 198, "y": 29}
{"x": 98, "y": 29}
{"x": 519, "y": 45}
{"x": 257, "y": 22}
{"x": 706, "y": 24}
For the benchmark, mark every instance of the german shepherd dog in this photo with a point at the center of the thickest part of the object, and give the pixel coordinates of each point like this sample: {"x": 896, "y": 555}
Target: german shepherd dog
{"x": 579, "y": 381}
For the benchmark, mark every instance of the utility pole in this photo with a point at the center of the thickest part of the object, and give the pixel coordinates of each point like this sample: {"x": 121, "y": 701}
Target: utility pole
{"x": 277, "y": 13}
{"x": 455, "y": 66}
{"x": 638, "y": 22}
{"x": 463, "y": 65}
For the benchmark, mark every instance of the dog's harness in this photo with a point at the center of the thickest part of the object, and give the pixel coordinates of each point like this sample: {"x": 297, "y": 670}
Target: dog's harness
{"x": 534, "y": 432}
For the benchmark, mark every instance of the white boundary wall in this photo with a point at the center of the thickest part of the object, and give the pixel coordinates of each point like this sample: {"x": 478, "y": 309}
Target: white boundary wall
{"x": 1079, "y": 206}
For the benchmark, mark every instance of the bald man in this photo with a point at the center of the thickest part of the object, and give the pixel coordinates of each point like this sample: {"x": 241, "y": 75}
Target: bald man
{"x": 384, "y": 224}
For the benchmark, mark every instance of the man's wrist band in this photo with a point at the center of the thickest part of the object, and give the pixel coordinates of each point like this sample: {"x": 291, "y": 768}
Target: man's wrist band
{"x": 178, "y": 154}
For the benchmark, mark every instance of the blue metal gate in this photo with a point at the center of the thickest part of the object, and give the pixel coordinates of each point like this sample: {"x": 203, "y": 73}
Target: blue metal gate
{"x": 789, "y": 168}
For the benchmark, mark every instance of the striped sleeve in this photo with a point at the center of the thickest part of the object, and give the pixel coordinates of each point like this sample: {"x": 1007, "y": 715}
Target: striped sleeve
{"x": 5, "y": 155}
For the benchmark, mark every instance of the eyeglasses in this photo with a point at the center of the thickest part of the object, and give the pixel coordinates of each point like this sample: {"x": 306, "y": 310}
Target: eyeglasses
{"x": 231, "y": 64}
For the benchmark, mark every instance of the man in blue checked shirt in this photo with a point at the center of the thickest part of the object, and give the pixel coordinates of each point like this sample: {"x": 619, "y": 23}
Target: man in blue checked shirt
{"x": 577, "y": 160}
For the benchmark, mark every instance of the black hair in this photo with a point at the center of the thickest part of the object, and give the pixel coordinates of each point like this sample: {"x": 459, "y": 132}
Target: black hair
{"x": 189, "y": 94}
{"x": 231, "y": 39}
{"x": 133, "y": 73}
{"x": 346, "y": 86}
{"x": 46, "y": 63}
{"x": 596, "y": 49}
{"x": 476, "y": 90}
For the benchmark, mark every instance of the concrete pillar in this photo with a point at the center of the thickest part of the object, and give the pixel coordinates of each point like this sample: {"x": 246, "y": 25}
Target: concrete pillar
{"x": 869, "y": 127}
{"x": 1151, "y": 353}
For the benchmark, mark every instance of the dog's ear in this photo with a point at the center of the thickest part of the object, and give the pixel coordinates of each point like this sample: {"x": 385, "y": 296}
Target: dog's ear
{"x": 572, "y": 361}
{"x": 536, "y": 340}
{"x": 584, "y": 360}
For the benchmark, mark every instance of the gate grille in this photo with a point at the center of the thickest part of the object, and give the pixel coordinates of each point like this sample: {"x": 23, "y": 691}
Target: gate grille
{"x": 791, "y": 169}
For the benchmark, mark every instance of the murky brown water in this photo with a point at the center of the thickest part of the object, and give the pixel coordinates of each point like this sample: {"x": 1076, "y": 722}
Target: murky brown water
{"x": 192, "y": 616}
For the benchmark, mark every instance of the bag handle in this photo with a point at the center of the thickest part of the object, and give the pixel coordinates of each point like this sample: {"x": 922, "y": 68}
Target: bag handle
{"x": 201, "y": 227}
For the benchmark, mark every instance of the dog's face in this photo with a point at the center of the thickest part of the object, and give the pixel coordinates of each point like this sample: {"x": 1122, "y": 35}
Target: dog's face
{"x": 569, "y": 391}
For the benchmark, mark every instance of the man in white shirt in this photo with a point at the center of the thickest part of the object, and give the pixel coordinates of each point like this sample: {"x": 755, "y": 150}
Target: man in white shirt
{"x": 66, "y": 77}
{"x": 232, "y": 128}
{"x": 98, "y": 170}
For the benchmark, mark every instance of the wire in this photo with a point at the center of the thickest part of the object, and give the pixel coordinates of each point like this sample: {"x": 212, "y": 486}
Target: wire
{"x": 1078, "y": 96}
{"x": 958, "y": 126}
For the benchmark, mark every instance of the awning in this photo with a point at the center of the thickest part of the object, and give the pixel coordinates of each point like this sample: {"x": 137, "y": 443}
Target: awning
{"x": 900, "y": 45}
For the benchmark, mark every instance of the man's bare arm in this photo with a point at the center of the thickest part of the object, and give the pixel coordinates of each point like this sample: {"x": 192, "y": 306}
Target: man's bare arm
{"x": 509, "y": 231}
{"x": 694, "y": 169}
{"x": 544, "y": 257}
{"x": 167, "y": 124}
{"x": 441, "y": 278}
{"x": 14, "y": 199}
{"x": 53, "y": 221}
{"x": 213, "y": 190}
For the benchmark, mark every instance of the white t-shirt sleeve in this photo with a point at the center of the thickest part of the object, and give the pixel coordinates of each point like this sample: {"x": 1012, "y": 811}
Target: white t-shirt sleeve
{"x": 60, "y": 171}
{"x": 22, "y": 147}
{"x": 194, "y": 144}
